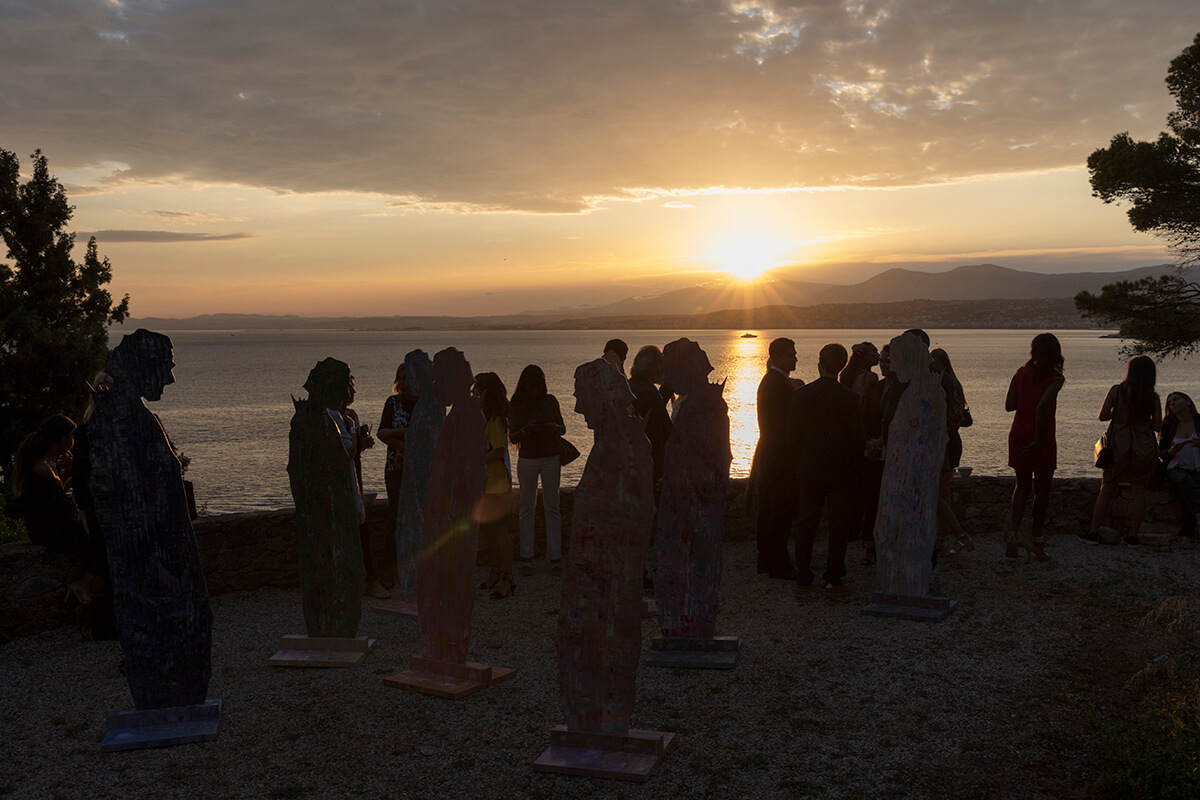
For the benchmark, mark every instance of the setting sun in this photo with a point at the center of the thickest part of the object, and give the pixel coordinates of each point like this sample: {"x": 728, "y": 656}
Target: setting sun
{"x": 746, "y": 256}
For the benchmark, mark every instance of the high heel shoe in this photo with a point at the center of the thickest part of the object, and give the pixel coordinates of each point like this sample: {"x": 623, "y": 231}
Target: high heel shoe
{"x": 504, "y": 588}
{"x": 1033, "y": 549}
{"x": 490, "y": 582}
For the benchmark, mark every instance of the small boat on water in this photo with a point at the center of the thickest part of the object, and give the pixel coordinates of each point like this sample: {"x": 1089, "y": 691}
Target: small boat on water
{"x": 749, "y": 335}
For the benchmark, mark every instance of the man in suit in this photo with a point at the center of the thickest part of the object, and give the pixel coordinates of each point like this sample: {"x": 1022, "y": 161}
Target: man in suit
{"x": 825, "y": 430}
{"x": 773, "y": 463}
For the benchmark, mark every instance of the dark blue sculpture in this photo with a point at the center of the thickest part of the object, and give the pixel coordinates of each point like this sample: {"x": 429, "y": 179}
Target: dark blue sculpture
{"x": 163, "y": 615}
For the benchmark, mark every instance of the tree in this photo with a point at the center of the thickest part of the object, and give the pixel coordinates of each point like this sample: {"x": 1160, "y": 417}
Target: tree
{"x": 54, "y": 312}
{"x": 1161, "y": 182}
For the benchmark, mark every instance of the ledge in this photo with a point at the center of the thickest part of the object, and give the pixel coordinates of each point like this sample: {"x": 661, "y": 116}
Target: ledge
{"x": 248, "y": 551}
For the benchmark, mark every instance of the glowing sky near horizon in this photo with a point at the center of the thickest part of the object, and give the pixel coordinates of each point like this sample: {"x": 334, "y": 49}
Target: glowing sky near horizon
{"x": 477, "y": 157}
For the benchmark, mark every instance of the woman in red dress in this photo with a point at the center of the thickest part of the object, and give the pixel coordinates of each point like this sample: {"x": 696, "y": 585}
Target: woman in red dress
{"x": 1032, "y": 451}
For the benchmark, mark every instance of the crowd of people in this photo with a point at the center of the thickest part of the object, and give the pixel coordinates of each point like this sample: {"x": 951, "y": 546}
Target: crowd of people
{"x": 820, "y": 452}
{"x": 821, "y": 447}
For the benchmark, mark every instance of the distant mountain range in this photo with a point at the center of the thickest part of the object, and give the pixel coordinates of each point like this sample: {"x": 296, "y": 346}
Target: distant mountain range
{"x": 980, "y": 295}
{"x": 974, "y": 282}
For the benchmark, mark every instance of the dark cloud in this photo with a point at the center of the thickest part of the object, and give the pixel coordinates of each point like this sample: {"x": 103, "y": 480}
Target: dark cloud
{"x": 161, "y": 237}
{"x": 544, "y": 106}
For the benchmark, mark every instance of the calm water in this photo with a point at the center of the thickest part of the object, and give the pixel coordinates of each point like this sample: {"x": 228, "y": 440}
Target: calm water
{"x": 230, "y": 407}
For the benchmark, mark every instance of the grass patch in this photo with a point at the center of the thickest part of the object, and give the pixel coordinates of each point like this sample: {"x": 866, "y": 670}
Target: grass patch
{"x": 1153, "y": 751}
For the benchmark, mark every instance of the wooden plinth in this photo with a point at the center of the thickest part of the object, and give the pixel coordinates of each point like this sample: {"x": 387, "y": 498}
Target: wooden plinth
{"x": 719, "y": 652}
{"x": 161, "y": 727}
{"x": 631, "y": 757}
{"x": 401, "y": 607}
{"x": 898, "y": 606}
{"x": 318, "y": 651}
{"x": 447, "y": 679}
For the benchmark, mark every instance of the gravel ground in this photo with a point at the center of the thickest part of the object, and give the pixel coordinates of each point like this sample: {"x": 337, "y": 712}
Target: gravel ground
{"x": 826, "y": 702}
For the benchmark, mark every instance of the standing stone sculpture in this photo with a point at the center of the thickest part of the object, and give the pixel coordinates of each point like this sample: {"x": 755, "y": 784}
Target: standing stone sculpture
{"x": 691, "y": 517}
{"x": 906, "y": 524}
{"x": 599, "y": 623}
{"x": 163, "y": 615}
{"x": 325, "y": 490}
{"x": 450, "y": 544}
{"x": 423, "y": 427}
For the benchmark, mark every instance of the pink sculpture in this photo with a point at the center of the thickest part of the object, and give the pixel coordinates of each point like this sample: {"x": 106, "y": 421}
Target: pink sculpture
{"x": 449, "y": 544}
{"x": 691, "y": 516}
{"x": 450, "y": 536}
{"x": 599, "y": 624}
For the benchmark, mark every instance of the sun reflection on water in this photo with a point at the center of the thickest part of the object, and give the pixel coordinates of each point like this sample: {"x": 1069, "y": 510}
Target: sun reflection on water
{"x": 742, "y": 368}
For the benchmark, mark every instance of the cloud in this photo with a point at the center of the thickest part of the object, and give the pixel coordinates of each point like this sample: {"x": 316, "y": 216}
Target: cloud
{"x": 550, "y": 107}
{"x": 192, "y": 217}
{"x": 160, "y": 237}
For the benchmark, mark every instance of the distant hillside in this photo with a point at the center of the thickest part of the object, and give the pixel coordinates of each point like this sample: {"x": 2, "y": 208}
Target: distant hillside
{"x": 1045, "y": 314}
{"x": 981, "y": 296}
{"x": 973, "y": 282}
{"x": 977, "y": 282}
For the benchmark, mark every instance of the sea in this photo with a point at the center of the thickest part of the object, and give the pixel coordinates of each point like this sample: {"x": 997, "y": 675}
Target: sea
{"x": 230, "y": 406}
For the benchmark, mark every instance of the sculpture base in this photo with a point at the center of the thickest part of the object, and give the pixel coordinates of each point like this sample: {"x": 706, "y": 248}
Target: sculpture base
{"x": 400, "y": 607}
{"x": 719, "y": 652}
{"x": 446, "y": 678}
{"x": 321, "y": 651}
{"x": 900, "y": 606}
{"x": 629, "y": 757}
{"x": 161, "y": 727}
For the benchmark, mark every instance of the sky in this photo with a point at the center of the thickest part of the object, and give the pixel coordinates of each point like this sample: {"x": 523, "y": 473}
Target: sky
{"x": 466, "y": 158}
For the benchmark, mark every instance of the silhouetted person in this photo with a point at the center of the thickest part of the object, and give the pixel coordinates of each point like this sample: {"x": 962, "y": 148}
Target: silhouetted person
{"x": 1032, "y": 449}
{"x": 826, "y": 431}
{"x": 650, "y": 405}
{"x": 773, "y": 469}
{"x": 615, "y": 351}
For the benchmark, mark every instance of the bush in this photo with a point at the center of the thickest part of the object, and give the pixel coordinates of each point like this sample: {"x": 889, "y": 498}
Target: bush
{"x": 11, "y": 528}
{"x": 1156, "y": 754}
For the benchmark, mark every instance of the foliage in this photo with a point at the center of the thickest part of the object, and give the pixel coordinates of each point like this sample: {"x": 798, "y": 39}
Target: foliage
{"x": 11, "y": 528}
{"x": 54, "y": 312}
{"x": 1161, "y": 315}
{"x": 1157, "y": 753}
{"x": 1160, "y": 181}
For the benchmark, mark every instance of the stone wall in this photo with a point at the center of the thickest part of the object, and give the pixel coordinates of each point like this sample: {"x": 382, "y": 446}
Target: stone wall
{"x": 244, "y": 552}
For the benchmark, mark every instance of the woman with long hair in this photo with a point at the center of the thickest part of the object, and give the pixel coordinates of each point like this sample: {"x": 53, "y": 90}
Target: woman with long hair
{"x": 496, "y": 504}
{"x": 1136, "y": 416}
{"x": 1179, "y": 446}
{"x": 535, "y": 426}
{"x": 393, "y": 427}
{"x": 1032, "y": 450}
{"x": 957, "y": 416}
{"x": 39, "y": 482}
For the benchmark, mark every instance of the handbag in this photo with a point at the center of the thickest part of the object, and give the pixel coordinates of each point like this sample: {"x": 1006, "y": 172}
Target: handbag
{"x": 1103, "y": 450}
{"x": 567, "y": 452}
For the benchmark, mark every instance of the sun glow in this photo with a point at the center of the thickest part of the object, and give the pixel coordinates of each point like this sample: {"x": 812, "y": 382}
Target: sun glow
{"x": 746, "y": 256}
